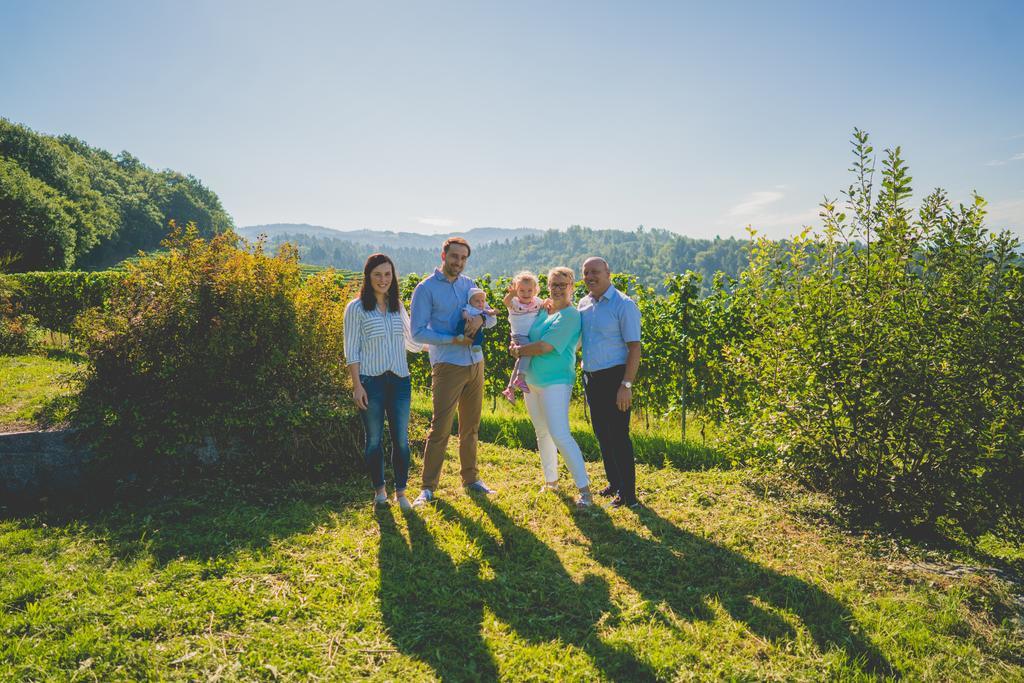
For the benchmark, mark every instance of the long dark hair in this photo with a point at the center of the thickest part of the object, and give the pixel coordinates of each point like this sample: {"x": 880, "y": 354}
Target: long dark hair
{"x": 366, "y": 294}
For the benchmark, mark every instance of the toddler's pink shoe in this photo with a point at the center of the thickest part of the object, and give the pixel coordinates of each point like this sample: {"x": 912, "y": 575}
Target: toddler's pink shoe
{"x": 520, "y": 384}
{"x": 510, "y": 393}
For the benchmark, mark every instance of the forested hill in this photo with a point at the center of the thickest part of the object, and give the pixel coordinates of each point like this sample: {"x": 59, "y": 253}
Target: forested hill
{"x": 649, "y": 254}
{"x": 64, "y": 204}
{"x": 385, "y": 238}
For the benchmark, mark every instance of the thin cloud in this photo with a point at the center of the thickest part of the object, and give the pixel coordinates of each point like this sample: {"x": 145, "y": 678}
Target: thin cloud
{"x": 435, "y": 221}
{"x": 1003, "y": 162}
{"x": 1006, "y": 213}
{"x": 755, "y": 202}
{"x": 795, "y": 220}
{"x": 761, "y": 210}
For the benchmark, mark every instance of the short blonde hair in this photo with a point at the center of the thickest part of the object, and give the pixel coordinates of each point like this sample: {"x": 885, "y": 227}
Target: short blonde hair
{"x": 524, "y": 276}
{"x": 564, "y": 271}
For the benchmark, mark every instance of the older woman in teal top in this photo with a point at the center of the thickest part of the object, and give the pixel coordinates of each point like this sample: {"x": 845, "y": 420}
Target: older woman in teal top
{"x": 552, "y": 373}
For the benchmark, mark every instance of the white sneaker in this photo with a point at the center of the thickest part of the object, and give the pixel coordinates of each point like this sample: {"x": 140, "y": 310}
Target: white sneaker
{"x": 548, "y": 487}
{"x": 426, "y": 496}
{"x": 403, "y": 502}
{"x": 380, "y": 499}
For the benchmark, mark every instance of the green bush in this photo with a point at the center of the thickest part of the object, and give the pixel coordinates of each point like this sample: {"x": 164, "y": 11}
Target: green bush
{"x": 212, "y": 339}
{"x": 56, "y": 298}
{"x": 885, "y": 359}
{"x": 19, "y": 332}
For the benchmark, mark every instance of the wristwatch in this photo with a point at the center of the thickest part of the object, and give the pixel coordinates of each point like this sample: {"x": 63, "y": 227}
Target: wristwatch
{"x": 627, "y": 384}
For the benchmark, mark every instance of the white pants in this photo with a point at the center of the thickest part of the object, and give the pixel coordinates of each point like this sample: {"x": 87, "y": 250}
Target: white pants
{"x": 549, "y": 409}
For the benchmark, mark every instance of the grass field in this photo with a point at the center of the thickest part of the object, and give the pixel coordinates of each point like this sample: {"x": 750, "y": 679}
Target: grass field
{"x": 710, "y": 579}
{"x": 31, "y": 388}
{"x": 722, "y": 574}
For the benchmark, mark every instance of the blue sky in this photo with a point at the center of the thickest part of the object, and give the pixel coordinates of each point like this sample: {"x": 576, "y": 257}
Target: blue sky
{"x": 695, "y": 117}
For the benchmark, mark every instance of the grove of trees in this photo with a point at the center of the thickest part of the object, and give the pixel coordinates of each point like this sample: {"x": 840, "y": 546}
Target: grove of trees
{"x": 64, "y": 204}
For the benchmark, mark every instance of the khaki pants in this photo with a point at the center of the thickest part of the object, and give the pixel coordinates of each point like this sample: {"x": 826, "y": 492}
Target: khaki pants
{"x": 454, "y": 386}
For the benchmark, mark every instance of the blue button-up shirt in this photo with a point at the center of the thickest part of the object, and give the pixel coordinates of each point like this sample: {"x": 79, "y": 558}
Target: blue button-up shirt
{"x": 436, "y": 307}
{"x": 608, "y": 323}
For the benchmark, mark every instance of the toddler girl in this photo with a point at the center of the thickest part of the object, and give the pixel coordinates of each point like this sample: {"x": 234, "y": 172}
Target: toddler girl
{"x": 523, "y": 305}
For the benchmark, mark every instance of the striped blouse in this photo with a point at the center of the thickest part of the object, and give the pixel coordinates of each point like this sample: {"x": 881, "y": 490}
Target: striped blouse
{"x": 378, "y": 341}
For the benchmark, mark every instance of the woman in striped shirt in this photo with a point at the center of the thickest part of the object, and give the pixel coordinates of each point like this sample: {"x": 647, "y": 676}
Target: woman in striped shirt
{"x": 377, "y": 337}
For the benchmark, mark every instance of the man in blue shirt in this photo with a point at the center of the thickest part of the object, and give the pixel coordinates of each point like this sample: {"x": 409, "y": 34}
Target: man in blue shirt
{"x": 456, "y": 368}
{"x": 611, "y": 358}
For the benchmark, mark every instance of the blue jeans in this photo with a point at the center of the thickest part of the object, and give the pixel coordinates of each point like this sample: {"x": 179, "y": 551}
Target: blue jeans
{"x": 387, "y": 395}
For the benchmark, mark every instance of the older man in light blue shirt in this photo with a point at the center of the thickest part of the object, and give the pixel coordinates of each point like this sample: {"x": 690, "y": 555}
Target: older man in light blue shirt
{"x": 611, "y": 359}
{"x": 457, "y": 371}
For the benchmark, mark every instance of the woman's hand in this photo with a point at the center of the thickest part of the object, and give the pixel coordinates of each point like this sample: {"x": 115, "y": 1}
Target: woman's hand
{"x": 548, "y": 305}
{"x": 359, "y": 397}
{"x": 514, "y": 350}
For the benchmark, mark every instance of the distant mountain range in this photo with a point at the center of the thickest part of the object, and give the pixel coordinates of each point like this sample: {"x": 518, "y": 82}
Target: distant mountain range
{"x": 651, "y": 255}
{"x": 385, "y": 238}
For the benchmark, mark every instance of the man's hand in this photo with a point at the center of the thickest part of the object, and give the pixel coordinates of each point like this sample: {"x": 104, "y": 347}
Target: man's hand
{"x": 473, "y": 324}
{"x": 624, "y": 398}
{"x": 359, "y": 397}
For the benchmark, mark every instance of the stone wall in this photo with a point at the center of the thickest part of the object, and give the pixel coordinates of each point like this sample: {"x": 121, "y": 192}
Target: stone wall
{"x": 34, "y": 464}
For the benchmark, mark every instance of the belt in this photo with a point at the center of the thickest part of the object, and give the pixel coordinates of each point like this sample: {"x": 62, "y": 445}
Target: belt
{"x": 604, "y": 371}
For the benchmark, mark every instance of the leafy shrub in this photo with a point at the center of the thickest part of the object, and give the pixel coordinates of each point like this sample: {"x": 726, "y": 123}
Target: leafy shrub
{"x": 56, "y": 298}
{"x": 19, "y": 332}
{"x": 213, "y": 339}
{"x": 886, "y": 357}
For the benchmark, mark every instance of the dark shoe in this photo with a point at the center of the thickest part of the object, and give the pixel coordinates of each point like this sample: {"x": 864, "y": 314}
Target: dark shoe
{"x": 608, "y": 491}
{"x": 620, "y": 502}
{"x": 479, "y": 486}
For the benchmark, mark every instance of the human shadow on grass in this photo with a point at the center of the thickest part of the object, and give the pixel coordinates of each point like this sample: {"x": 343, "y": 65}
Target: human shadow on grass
{"x": 535, "y": 595}
{"x": 684, "y": 571}
{"x": 433, "y": 608}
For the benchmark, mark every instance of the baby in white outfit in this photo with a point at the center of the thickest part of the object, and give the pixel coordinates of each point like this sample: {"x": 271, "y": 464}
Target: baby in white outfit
{"x": 523, "y": 306}
{"x": 476, "y": 305}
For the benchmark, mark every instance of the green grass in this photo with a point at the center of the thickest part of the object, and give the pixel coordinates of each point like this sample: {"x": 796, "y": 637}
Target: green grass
{"x": 711, "y": 579}
{"x": 33, "y": 386}
{"x": 722, "y": 574}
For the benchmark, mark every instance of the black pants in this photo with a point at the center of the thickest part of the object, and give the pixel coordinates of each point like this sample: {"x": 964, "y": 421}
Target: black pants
{"x": 611, "y": 426}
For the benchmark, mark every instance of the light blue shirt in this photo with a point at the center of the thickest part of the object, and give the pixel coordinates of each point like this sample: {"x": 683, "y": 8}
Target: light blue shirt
{"x": 437, "y": 305}
{"x": 608, "y": 323}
